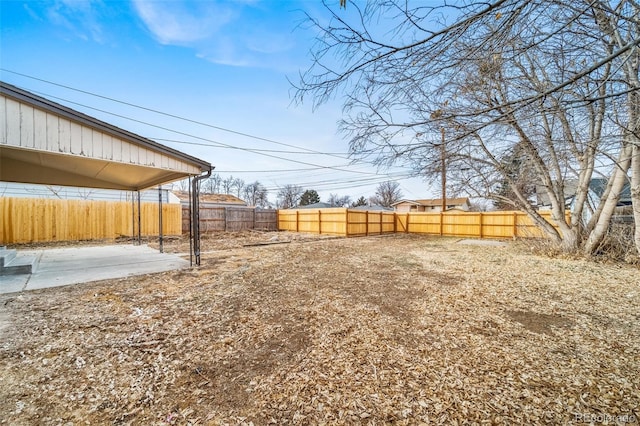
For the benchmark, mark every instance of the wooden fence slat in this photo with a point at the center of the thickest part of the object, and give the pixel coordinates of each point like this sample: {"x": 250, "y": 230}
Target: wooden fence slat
{"x": 27, "y": 220}
{"x": 220, "y": 218}
{"x": 339, "y": 221}
{"x": 31, "y": 220}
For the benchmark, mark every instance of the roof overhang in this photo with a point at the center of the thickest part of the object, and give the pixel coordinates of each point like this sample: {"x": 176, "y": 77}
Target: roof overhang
{"x": 412, "y": 202}
{"x": 43, "y": 142}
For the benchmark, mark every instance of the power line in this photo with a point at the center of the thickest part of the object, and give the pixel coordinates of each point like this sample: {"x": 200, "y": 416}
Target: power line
{"x": 252, "y": 149}
{"x": 204, "y": 139}
{"x": 376, "y": 177}
{"x": 248, "y": 135}
{"x": 347, "y": 184}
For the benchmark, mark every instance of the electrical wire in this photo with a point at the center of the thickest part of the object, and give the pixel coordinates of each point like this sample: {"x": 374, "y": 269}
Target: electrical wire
{"x": 341, "y": 183}
{"x": 224, "y": 129}
{"x": 201, "y": 138}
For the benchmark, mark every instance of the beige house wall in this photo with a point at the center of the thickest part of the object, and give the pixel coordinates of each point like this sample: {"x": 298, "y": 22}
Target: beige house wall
{"x": 408, "y": 207}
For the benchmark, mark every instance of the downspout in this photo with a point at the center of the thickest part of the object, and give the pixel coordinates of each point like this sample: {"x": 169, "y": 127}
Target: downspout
{"x": 195, "y": 214}
{"x": 139, "y": 219}
{"x": 160, "y": 242}
{"x": 190, "y": 225}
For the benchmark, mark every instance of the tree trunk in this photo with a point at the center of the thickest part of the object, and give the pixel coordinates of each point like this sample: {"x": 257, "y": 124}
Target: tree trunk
{"x": 570, "y": 239}
{"x": 618, "y": 179}
{"x": 634, "y": 135}
{"x": 635, "y": 193}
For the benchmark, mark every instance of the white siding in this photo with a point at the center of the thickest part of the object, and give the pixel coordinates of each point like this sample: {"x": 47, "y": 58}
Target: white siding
{"x": 3, "y": 121}
{"x": 13, "y": 122}
{"x": 40, "y": 130}
{"x": 24, "y": 126}
{"x": 74, "y": 144}
{"x": 107, "y": 147}
{"x": 64, "y": 135}
{"x": 125, "y": 151}
{"x": 133, "y": 154}
{"x": 87, "y": 142}
{"x": 52, "y": 132}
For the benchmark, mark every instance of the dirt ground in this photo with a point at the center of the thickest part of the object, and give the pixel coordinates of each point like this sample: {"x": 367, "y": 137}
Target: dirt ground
{"x": 280, "y": 328}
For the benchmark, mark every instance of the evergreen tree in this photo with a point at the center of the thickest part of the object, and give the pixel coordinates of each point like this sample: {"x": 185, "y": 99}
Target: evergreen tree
{"x": 310, "y": 196}
{"x": 360, "y": 202}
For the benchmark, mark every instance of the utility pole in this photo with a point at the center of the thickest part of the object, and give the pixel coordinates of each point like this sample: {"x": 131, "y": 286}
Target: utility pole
{"x": 443, "y": 155}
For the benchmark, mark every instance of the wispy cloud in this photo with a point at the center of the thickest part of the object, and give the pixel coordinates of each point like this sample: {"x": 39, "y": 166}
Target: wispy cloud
{"x": 79, "y": 17}
{"x": 182, "y": 23}
{"x": 237, "y": 33}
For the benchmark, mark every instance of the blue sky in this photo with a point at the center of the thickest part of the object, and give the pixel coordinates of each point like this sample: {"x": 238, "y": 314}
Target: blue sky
{"x": 220, "y": 63}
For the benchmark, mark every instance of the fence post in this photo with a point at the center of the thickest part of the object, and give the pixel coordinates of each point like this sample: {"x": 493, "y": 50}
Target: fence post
{"x": 395, "y": 223}
{"x": 515, "y": 224}
{"x": 346, "y": 223}
{"x": 407, "y": 224}
{"x": 366, "y": 221}
{"x": 441, "y": 223}
{"x": 481, "y": 225}
{"x": 381, "y": 223}
{"x": 319, "y": 222}
{"x": 297, "y": 221}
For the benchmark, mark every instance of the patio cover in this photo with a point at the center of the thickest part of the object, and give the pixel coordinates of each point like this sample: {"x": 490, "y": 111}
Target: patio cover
{"x": 43, "y": 142}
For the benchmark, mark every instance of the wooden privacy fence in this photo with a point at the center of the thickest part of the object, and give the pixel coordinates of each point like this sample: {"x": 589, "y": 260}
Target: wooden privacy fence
{"x": 345, "y": 222}
{"x": 500, "y": 224}
{"x": 337, "y": 221}
{"x": 24, "y": 220}
{"x": 232, "y": 219}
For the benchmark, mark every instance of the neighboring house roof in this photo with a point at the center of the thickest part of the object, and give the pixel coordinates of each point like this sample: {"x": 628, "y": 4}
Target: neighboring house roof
{"x": 371, "y": 208}
{"x": 435, "y": 202}
{"x": 597, "y": 186}
{"x": 319, "y": 205}
{"x": 415, "y": 203}
{"x": 212, "y": 198}
{"x": 570, "y": 188}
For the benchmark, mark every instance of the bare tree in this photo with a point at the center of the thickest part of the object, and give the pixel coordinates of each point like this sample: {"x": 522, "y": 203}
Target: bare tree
{"x": 336, "y": 200}
{"x": 557, "y": 79}
{"x": 238, "y": 186}
{"x": 55, "y": 190}
{"x": 289, "y": 196}
{"x": 255, "y": 194}
{"x": 85, "y": 193}
{"x": 212, "y": 184}
{"x": 227, "y": 185}
{"x": 387, "y": 193}
{"x": 182, "y": 185}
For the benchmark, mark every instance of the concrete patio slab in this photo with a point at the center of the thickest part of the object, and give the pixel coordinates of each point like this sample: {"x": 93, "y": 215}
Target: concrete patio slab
{"x": 65, "y": 266}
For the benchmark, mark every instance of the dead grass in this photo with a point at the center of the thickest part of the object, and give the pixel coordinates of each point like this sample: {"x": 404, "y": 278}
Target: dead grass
{"x": 398, "y": 329}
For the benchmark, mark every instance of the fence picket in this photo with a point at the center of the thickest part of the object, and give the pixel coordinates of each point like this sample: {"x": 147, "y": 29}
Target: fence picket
{"x": 346, "y": 222}
{"x": 26, "y": 220}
